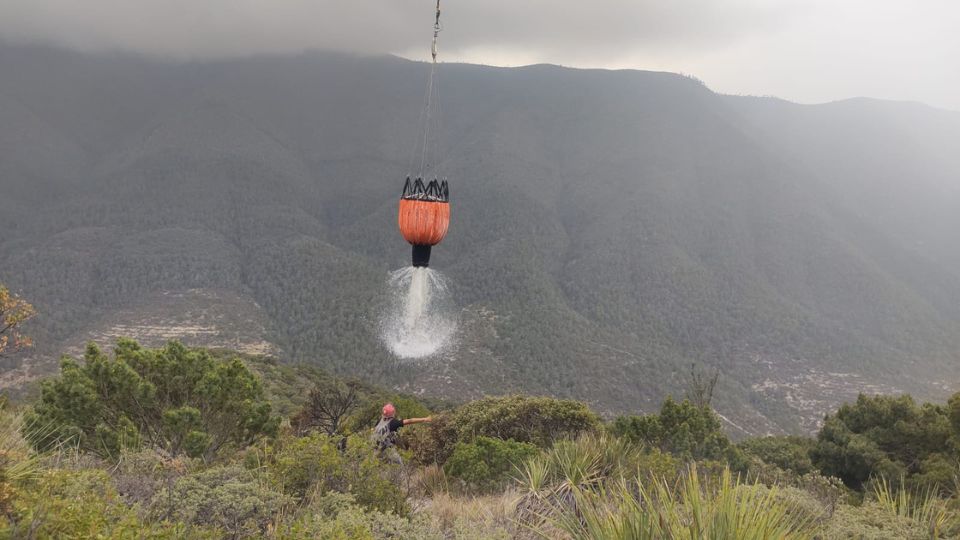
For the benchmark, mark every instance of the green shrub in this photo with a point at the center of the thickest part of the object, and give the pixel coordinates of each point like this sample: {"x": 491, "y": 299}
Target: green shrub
{"x": 804, "y": 505}
{"x": 432, "y": 444}
{"x": 229, "y": 497}
{"x": 683, "y": 429}
{"x": 885, "y": 436}
{"x": 874, "y": 520}
{"x": 922, "y": 505}
{"x": 140, "y": 475}
{"x": 314, "y": 465}
{"x": 151, "y": 397}
{"x": 82, "y": 504}
{"x": 487, "y": 463}
{"x": 939, "y": 472}
{"x": 535, "y": 420}
{"x": 336, "y": 517}
{"x": 787, "y": 453}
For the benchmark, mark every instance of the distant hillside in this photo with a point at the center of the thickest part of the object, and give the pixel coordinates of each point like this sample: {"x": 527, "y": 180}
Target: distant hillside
{"x": 609, "y": 228}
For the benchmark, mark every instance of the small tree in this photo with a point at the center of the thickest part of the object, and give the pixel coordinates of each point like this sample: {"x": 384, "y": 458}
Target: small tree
{"x": 174, "y": 398}
{"x": 328, "y": 406}
{"x": 889, "y": 436}
{"x": 681, "y": 428}
{"x": 486, "y": 463}
{"x": 14, "y": 311}
{"x": 700, "y": 391}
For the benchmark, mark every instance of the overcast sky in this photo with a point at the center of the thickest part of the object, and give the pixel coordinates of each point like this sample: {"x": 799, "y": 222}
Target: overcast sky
{"x": 804, "y": 50}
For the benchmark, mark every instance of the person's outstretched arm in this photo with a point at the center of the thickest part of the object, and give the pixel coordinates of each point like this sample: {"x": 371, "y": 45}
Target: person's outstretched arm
{"x": 408, "y": 421}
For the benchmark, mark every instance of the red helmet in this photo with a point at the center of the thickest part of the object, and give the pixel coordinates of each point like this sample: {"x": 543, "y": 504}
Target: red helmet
{"x": 389, "y": 410}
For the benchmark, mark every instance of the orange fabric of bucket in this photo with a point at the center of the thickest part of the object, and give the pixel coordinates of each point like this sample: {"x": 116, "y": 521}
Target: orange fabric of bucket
{"x": 424, "y": 223}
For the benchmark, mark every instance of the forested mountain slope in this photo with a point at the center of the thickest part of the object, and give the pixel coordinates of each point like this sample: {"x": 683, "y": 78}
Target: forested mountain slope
{"x": 608, "y": 230}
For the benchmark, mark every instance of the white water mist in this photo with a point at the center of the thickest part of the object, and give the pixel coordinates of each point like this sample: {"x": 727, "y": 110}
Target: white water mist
{"x": 419, "y": 320}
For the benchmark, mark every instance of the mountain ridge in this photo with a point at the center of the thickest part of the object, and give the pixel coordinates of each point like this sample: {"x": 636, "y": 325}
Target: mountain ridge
{"x": 609, "y": 228}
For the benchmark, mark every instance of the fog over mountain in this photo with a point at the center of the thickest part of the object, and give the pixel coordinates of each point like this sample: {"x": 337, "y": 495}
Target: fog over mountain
{"x": 609, "y": 228}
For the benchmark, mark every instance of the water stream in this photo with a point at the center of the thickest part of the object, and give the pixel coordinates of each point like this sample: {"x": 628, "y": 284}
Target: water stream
{"x": 419, "y": 320}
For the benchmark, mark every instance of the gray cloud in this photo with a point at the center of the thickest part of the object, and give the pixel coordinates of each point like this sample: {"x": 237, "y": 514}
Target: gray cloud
{"x": 806, "y": 50}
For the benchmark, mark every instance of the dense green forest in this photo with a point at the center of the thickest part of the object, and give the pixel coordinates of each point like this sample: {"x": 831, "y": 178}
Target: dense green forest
{"x": 609, "y": 227}
{"x": 181, "y": 442}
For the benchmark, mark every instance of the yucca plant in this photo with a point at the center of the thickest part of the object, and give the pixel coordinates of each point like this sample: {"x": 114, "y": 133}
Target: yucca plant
{"x": 727, "y": 508}
{"x": 577, "y": 465}
{"x": 922, "y": 505}
{"x": 17, "y": 459}
{"x": 724, "y": 508}
{"x": 618, "y": 455}
{"x": 607, "y": 512}
{"x": 554, "y": 478}
{"x": 534, "y": 477}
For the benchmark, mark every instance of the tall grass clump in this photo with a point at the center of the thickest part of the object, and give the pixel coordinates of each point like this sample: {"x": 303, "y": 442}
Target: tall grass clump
{"x": 589, "y": 505}
{"x": 921, "y": 505}
{"x": 18, "y": 462}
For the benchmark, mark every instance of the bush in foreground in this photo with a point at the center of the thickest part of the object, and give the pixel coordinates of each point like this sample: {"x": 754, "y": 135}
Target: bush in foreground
{"x": 725, "y": 508}
{"x": 229, "y": 498}
{"x": 487, "y": 463}
{"x": 535, "y": 420}
{"x": 174, "y": 398}
{"x": 336, "y": 516}
{"x": 316, "y": 465}
{"x": 83, "y": 504}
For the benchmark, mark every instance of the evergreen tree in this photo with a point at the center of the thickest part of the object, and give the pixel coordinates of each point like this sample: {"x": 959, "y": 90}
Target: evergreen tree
{"x": 174, "y": 398}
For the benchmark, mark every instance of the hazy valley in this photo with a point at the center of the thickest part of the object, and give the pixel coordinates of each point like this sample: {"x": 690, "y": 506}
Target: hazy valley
{"x": 609, "y": 228}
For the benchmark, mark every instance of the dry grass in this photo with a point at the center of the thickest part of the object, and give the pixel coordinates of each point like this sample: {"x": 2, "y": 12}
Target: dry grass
{"x": 474, "y": 517}
{"x": 430, "y": 481}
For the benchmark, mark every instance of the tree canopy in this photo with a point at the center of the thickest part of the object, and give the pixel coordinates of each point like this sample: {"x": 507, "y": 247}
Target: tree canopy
{"x": 174, "y": 398}
{"x": 681, "y": 428}
{"x": 891, "y": 436}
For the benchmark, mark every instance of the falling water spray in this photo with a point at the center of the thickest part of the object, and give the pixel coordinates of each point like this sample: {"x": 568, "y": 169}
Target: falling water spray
{"x": 419, "y": 320}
